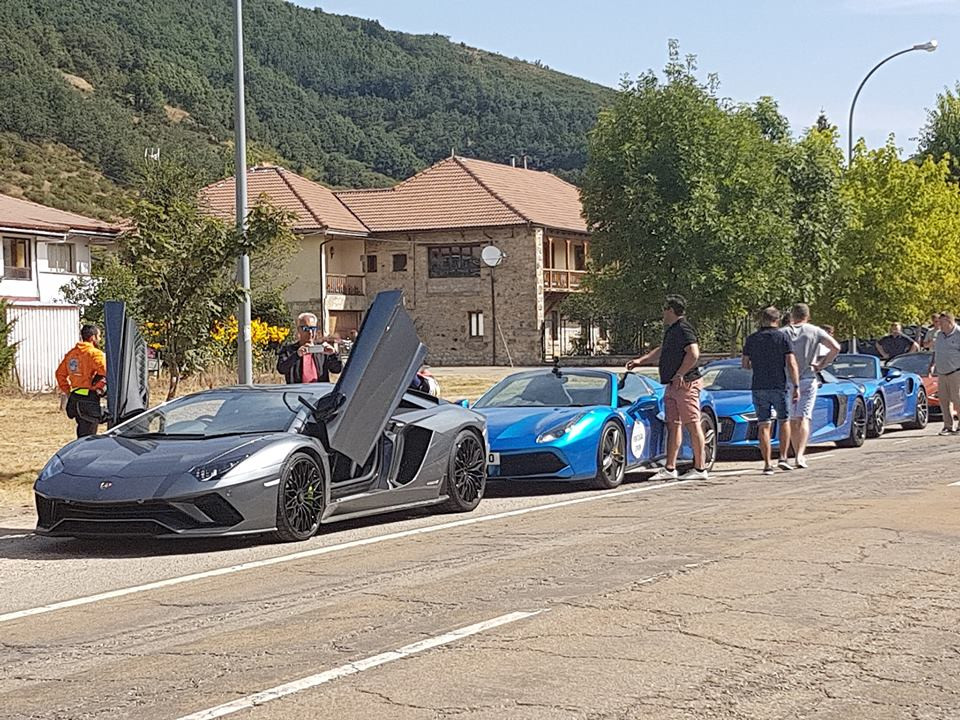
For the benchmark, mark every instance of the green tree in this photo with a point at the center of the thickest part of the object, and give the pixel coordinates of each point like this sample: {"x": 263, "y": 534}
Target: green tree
{"x": 814, "y": 167}
{"x": 940, "y": 137}
{"x": 897, "y": 258}
{"x": 183, "y": 263}
{"x": 8, "y": 349}
{"x": 684, "y": 194}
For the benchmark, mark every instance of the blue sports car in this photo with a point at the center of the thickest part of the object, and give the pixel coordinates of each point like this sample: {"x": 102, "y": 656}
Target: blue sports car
{"x": 580, "y": 425}
{"x": 893, "y": 396}
{"x": 839, "y": 415}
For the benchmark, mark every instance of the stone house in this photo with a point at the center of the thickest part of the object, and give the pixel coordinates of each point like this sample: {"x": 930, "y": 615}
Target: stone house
{"x": 425, "y": 236}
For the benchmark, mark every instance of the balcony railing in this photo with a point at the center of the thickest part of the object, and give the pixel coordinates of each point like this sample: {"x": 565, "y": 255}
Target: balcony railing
{"x": 562, "y": 280}
{"x": 17, "y": 273}
{"x": 345, "y": 284}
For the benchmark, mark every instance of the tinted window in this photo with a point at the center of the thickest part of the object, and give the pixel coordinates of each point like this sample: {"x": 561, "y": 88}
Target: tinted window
{"x": 727, "y": 377}
{"x": 218, "y": 413}
{"x": 854, "y": 367}
{"x": 632, "y": 388}
{"x": 918, "y": 363}
{"x": 454, "y": 261}
{"x": 548, "y": 390}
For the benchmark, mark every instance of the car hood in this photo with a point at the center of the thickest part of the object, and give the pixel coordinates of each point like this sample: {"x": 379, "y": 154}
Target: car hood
{"x": 513, "y": 423}
{"x": 732, "y": 402}
{"x": 109, "y": 456}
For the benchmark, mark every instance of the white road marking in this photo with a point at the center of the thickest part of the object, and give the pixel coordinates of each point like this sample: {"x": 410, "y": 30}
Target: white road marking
{"x": 16, "y": 537}
{"x": 326, "y": 550}
{"x": 954, "y": 484}
{"x": 358, "y": 666}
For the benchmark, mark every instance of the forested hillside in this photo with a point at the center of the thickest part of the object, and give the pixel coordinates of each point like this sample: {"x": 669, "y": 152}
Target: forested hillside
{"x": 337, "y": 98}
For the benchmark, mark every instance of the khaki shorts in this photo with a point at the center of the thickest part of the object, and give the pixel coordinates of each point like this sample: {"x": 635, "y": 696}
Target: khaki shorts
{"x": 682, "y": 402}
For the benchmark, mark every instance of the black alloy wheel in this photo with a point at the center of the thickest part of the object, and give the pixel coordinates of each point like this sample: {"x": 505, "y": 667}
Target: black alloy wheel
{"x": 611, "y": 457}
{"x": 709, "y": 427}
{"x": 466, "y": 473}
{"x": 299, "y": 499}
{"x": 858, "y": 426}
{"x": 878, "y": 418}
{"x": 922, "y": 413}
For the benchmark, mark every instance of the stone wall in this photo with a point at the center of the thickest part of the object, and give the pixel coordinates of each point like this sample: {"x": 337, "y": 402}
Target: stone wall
{"x": 441, "y": 306}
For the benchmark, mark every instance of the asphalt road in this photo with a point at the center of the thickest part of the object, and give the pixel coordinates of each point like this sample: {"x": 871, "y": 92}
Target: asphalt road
{"x": 825, "y": 593}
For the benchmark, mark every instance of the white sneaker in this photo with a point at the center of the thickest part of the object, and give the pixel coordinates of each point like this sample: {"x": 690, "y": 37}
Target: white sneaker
{"x": 663, "y": 474}
{"x": 784, "y": 465}
{"x": 801, "y": 463}
{"x": 694, "y": 474}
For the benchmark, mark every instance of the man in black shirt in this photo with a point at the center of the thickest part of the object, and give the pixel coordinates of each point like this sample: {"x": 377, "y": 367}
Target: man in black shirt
{"x": 769, "y": 353}
{"x": 896, "y": 343}
{"x": 677, "y": 360}
{"x": 306, "y": 360}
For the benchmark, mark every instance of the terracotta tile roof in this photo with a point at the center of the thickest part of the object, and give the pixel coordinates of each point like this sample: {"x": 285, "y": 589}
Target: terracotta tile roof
{"x": 316, "y": 208}
{"x": 461, "y": 192}
{"x": 26, "y": 215}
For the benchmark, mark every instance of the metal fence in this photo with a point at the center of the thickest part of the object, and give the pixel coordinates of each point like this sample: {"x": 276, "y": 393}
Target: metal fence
{"x": 44, "y": 334}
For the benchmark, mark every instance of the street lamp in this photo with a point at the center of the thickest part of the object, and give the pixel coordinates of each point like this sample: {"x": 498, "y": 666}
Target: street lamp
{"x": 929, "y": 46}
{"x": 492, "y": 256}
{"x": 244, "y": 346}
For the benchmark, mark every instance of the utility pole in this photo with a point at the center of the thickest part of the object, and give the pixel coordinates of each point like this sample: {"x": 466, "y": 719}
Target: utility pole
{"x": 244, "y": 346}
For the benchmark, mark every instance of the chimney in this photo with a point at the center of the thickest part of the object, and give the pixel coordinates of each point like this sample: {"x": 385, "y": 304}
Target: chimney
{"x": 513, "y": 161}
{"x": 524, "y": 161}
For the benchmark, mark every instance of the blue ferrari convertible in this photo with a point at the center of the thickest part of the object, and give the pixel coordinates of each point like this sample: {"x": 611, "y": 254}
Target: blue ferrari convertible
{"x": 580, "y": 425}
{"x": 839, "y": 415}
{"x": 893, "y": 395}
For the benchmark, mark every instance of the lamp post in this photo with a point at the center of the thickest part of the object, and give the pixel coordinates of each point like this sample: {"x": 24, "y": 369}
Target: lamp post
{"x": 244, "y": 347}
{"x": 492, "y": 256}
{"x": 929, "y": 46}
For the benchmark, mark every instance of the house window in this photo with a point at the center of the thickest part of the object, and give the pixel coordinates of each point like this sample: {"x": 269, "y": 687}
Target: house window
{"x": 16, "y": 259}
{"x": 371, "y": 263}
{"x": 448, "y": 261}
{"x": 476, "y": 324}
{"x": 400, "y": 262}
{"x": 579, "y": 257}
{"x": 60, "y": 257}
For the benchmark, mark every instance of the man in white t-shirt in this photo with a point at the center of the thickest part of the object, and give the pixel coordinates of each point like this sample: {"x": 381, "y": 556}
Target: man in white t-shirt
{"x": 806, "y": 340}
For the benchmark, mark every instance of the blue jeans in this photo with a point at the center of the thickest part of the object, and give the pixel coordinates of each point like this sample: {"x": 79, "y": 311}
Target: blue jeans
{"x": 768, "y": 401}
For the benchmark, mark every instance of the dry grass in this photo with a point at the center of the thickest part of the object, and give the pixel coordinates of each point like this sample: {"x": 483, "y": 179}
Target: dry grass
{"x": 32, "y": 427}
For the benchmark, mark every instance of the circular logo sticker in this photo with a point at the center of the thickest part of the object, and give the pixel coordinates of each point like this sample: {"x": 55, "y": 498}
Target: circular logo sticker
{"x": 638, "y": 438}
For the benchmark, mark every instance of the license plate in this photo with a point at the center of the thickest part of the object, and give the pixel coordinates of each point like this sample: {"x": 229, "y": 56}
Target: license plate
{"x": 493, "y": 458}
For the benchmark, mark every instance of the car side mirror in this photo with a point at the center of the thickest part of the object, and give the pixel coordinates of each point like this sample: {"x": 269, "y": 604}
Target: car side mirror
{"x": 463, "y": 402}
{"x": 892, "y": 373}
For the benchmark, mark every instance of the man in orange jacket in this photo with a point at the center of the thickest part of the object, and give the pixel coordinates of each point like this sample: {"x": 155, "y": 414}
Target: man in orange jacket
{"x": 82, "y": 376}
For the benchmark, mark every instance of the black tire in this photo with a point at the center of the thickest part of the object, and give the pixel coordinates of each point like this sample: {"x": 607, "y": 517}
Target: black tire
{"x": 710, "y": 447}
{"x": 466, "y": 478}
{"x": 611, "y": 457}
{"x": 878, "y": 417}
{"x": 922, "y": 414}
{"x": 300, "y": 499}
{"x": 858, "y": 426}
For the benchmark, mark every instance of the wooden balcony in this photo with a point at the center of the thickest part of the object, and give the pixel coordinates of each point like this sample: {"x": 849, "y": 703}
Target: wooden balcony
{"x": 345, "y": 284}
{"x": 562, "y": 280}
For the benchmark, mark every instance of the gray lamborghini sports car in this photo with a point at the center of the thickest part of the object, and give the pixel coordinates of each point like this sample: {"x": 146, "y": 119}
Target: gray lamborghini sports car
{"x": 283, "y": 458}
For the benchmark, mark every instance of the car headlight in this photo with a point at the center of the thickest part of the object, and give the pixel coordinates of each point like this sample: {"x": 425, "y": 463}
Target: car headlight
{"x": 217, "y": 468}
{"x": 559, "y": 431}
{"x": 53, "y": 467}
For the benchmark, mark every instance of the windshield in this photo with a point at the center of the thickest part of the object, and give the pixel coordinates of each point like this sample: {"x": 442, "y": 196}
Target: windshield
{"x": 548, "y": 390}
{"x": 727, "y": 377}
{"x": 918, "y": 363}
{"x": 217, "y": 413}
{"x": 854, "y": 367}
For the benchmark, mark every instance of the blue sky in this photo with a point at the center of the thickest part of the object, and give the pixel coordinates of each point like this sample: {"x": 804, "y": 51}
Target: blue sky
{"x": 808, "y": 55}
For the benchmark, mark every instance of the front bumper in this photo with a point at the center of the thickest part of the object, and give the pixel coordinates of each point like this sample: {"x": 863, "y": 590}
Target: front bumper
{"x": 541, "y": 463}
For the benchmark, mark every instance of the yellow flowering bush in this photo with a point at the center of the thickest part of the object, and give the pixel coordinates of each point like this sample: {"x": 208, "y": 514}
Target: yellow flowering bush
{"x": 262, "y": 335}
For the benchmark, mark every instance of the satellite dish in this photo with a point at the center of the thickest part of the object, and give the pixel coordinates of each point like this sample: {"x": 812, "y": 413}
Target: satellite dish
{"x": 492, "y": 256}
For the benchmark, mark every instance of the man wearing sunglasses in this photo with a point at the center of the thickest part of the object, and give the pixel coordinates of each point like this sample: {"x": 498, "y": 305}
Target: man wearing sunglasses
{"x": 310, "y": 359}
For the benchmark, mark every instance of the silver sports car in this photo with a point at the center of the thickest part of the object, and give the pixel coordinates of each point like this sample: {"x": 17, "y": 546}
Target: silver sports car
{"x": 283, "y": 458}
